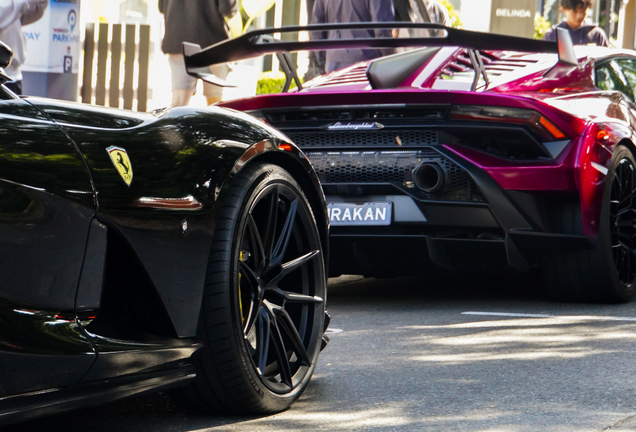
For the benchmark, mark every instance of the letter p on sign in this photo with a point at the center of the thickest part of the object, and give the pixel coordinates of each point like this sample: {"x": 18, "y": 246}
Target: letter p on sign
{"x": 68, "y": 64}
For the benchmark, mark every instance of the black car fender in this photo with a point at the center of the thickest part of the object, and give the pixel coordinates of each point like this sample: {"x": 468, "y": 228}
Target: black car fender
{"x": 291, "y": 158}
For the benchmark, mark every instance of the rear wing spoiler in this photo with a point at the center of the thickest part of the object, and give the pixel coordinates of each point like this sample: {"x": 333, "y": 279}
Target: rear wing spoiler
{"x": 264, "y": 41}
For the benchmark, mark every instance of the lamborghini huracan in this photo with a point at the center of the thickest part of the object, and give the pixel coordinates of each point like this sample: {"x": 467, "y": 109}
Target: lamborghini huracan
{"x": 465, "y": 151}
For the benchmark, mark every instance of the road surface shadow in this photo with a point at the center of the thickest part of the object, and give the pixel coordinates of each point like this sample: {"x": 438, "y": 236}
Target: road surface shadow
{"x": 347, "y": 294}
{"x": 155, "y": 412}
{"x": 438, "y": 287}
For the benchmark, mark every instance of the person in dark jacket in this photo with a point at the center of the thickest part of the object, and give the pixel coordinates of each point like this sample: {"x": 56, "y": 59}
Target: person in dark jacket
{"x": 314, "y": 68}
{"x": 201, "y": 22}
{"x": 345, "y": 11}
{"x": 420, "y": 11}
{"x": 581, "y": 33}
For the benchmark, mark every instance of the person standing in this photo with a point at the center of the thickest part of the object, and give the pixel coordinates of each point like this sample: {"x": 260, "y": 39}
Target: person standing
{"x": 201, "y": 22}
{"x": 348, "y": 11}
{"x": 13, "y": 15}
{"x": 424, "y": 11}
{"x": 314, "y": 68}
{"x": 574, "y": 12}
{"x": 420, "y": 11}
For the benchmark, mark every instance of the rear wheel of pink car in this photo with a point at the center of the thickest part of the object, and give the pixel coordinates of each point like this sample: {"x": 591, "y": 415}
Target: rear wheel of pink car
{"x": 608, "y": 272}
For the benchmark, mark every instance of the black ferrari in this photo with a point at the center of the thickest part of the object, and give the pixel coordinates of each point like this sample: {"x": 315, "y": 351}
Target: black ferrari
{"x": 180, "y": 249}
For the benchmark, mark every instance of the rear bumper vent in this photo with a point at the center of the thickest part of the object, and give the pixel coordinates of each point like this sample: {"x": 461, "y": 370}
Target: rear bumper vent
{"x": 394, "y": 167}
{"x": 385, "y": 138}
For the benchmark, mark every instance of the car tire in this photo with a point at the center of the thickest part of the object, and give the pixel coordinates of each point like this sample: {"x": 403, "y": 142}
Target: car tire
{"x": 607, "y": 273}
{"x": 263, "y": 311}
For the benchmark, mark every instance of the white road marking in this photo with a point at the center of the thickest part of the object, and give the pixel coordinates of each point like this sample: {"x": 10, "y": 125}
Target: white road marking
{"x": 522, "y": 315}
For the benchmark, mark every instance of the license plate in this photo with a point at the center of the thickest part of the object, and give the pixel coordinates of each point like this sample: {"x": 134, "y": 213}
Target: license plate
{"x": 360, "y": 214}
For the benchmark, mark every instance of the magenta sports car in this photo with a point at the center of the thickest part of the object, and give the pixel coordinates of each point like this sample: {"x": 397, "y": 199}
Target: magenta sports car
{"x": 468, "y": 151}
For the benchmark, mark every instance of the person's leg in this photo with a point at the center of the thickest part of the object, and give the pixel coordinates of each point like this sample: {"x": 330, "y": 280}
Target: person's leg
{"x": 211, "y": 100}
{"x": 183, "y": 85}
{"x": 181, "y": 97}
{"x": 214, "y": 93}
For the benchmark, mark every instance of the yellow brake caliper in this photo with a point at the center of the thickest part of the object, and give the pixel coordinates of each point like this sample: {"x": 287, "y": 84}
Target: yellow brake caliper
{"x": 243, "y": 257}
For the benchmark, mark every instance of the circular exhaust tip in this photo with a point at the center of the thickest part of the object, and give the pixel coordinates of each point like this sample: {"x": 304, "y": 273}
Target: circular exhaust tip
{"x": 429, "y": 177}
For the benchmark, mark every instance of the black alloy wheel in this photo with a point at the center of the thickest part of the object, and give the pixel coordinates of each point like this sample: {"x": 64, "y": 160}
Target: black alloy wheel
{"x": 264, "y": 302}
{"x": 277, "y": 304}
{"x": 606, "y": 273}
{"x": 622, "y": 219}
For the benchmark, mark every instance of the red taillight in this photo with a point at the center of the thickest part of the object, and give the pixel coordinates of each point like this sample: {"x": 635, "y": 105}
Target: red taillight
{"x": 554, "y": 131}
{"x": 544, "y": 128}
{"x": 285, "y": 147}
{"x": 602, "y": 135}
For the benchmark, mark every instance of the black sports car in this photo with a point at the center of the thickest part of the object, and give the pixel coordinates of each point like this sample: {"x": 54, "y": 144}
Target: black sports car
{"x": 183, "y": 248}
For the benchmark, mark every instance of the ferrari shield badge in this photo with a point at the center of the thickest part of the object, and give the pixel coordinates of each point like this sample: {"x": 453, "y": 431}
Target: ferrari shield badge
{"x": 122, "y": 163}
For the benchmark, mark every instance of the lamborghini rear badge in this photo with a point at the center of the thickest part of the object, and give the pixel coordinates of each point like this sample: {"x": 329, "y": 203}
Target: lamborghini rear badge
{"x": 121, "y": 161}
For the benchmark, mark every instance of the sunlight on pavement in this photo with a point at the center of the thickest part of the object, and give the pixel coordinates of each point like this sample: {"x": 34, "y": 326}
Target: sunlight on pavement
{"x": 532, "y": 322}
{"x": 564, "y": 337}
{"x": 393, "y": 417}
{"x": 539, "y": 335}
{"x": 349, "y": 421}
{"x": 526, "y": 355}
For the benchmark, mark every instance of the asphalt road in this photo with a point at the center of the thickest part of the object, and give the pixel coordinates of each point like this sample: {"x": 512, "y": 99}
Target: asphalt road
{"x": 480, "y": 354}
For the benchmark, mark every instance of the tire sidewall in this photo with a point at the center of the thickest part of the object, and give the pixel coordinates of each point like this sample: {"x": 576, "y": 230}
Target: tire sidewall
{"x": 622, "y": 291}
{"x": 263, "y": 177}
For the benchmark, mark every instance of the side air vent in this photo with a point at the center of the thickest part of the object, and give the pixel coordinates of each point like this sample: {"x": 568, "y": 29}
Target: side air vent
{"x": 131, "y": 308}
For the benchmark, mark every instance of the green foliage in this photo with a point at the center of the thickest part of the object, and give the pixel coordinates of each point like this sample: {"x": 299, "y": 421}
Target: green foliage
{"x": 271, "y": 82}
{"x": 541, "y": 26}
{"x": 455, "y": 21}
{"x": 269, "y": 85}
